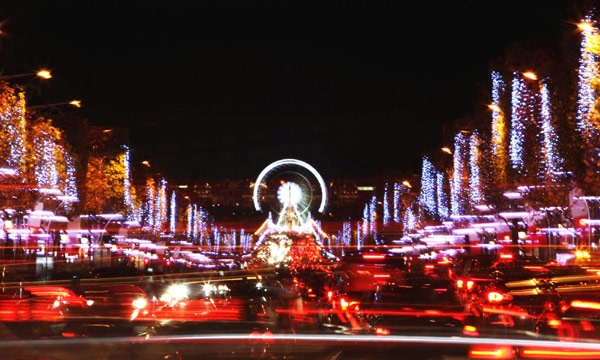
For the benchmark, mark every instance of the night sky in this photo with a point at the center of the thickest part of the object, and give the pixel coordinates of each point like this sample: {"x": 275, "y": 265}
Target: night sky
{"x": 221, "y": 88}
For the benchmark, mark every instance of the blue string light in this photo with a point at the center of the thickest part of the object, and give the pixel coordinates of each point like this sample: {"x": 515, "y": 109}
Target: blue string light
{"x": 386, "y": 207}
{"x": 428, "y": 180}
{"x": 475, "y": 193}
{"x": 442, "y": 199}
{"x": 552, "y": 162}
{"x": 458, "y": 183}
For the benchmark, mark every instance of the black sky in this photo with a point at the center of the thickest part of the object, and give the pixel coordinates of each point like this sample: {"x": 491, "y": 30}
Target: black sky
{"x": 221, "y": 88}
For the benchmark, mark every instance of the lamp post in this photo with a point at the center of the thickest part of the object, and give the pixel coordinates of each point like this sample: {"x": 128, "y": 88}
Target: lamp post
{"x": 76, "y": 103}
{"x": 44, "y": 74}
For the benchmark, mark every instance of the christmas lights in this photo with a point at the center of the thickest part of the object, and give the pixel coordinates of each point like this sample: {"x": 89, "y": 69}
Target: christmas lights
{"x": 475, "y": 193}
{"x": 386, "y": 207}
{"x": 173, "y": 216}
{"x": 189, "y": 215}
{"x": 373, "y": 218}
{"x": 409, "y": 220}
{"x": 150, "y": 195}
{"x": 459, "y": 175}
{"x": 427, "y": 198}
{"x": 518, "y": 118}
{"x": 552, "y": 162}
{"x": 365, "y": 219}
{"x": 498, "y": 129}
{"x": 346, "y": 235}
{"x": 13, "y": 126}
{"x": 195, "y": 221}
{"x": 442, "y": 199}
{"x": 588, "y": 122}
{"x": 397, "y": 188}
{"x": 129, "y": 206}
{"x": 359, "y": 239}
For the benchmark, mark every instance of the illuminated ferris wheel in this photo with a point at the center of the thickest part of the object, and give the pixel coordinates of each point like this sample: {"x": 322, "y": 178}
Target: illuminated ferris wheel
{"x": 290, "y": 183}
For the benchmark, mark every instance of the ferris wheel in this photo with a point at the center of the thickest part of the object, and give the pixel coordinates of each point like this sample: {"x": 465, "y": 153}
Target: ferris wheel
{"x": 290, "y": 182}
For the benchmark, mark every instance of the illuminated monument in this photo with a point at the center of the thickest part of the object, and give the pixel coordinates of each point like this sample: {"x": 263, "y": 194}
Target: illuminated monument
{"x": 291, "y": 188}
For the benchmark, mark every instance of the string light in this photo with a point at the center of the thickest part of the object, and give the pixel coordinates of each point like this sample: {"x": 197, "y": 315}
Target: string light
{"x": 373, "y": 218}
{"x": 13, "y": 127}
{"x": 428, "y": 179}
{"x": 346, "y": 234}
{"x": 409, "y": 220}
{"x": 195, "y": 221}
{"x": 475, "y": 193}
{"x": 552, "y": 162}
{"x": 129, "y": 206}
{"x": 365, "y": 227}
{"x": 498, "y": 128}
{"x": 150, "y": 194}
{"x": 359, "y": 238}
{"x": 442, "y": 199}
{"x": 458, "y": 183}
{"x": 588, "y": 74}
{"x": 386, "y": 207}
{"x": 518, "y": 118}
{"x": 189, "y": 215}
{"x": 397, "y": 188}
{"x": 173, "y": 216}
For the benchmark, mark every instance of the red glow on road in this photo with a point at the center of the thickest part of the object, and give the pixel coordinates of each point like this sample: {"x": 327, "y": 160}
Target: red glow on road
{"x": 491, "y": 352}
{"x": 373, "y": 256}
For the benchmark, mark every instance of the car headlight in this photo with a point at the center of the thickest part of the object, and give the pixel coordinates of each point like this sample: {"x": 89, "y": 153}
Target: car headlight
{"x": 90, "y": 302}
{"x": 139, "y": 303}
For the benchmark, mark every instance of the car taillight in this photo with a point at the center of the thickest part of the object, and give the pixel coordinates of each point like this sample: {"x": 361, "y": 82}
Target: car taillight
{"x": 329, "y": 295}
{"x": 495, "y": 296}
{"x": 470, "y": 330}
{"x": 373, "y": 256}
{"x": 585, "y": 304}
{"x": 444, "y": 261}
{"x": 168, "y": 262}
{"x": 492, "y": 352}
{"x": 382, "y": 331}
{"x": 554, "y": 323}
{"x": 470, "y": 285}
{"x": 506, "y": 256}
{"x": 345, "y": 305}
{"x": 381, "y": 276}
{"x": 460, "y": 284}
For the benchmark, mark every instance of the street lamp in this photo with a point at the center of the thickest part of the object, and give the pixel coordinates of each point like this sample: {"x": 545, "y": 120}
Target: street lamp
{"x": 145, "y": 162}
{"x": 44, "y": 74}
{"x": 585, "y": 26}
{"x": 407, "y": 184}
{"x": 494, "y": 107}
{"x": 447, "y": 150}
{"x": 530, "y": 75}
{"x": 76, "y": 103}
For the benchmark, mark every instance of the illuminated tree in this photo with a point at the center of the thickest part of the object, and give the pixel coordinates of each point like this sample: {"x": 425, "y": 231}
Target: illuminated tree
{"x": 499, "y": 131}
{"x": 459, "y": 183}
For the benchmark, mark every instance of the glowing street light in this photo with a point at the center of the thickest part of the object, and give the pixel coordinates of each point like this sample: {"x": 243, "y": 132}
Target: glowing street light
{"x": 585, "y": 26}
{"x": 494, "y": 107}
{"x": 44, "y": 74}
{"x": 447, "y": 150}
{"x": 145, "y": 162}
{"x": 76, "y": 103}
{"x": 530, "y": 75}
{"x": 407, "y": 184}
